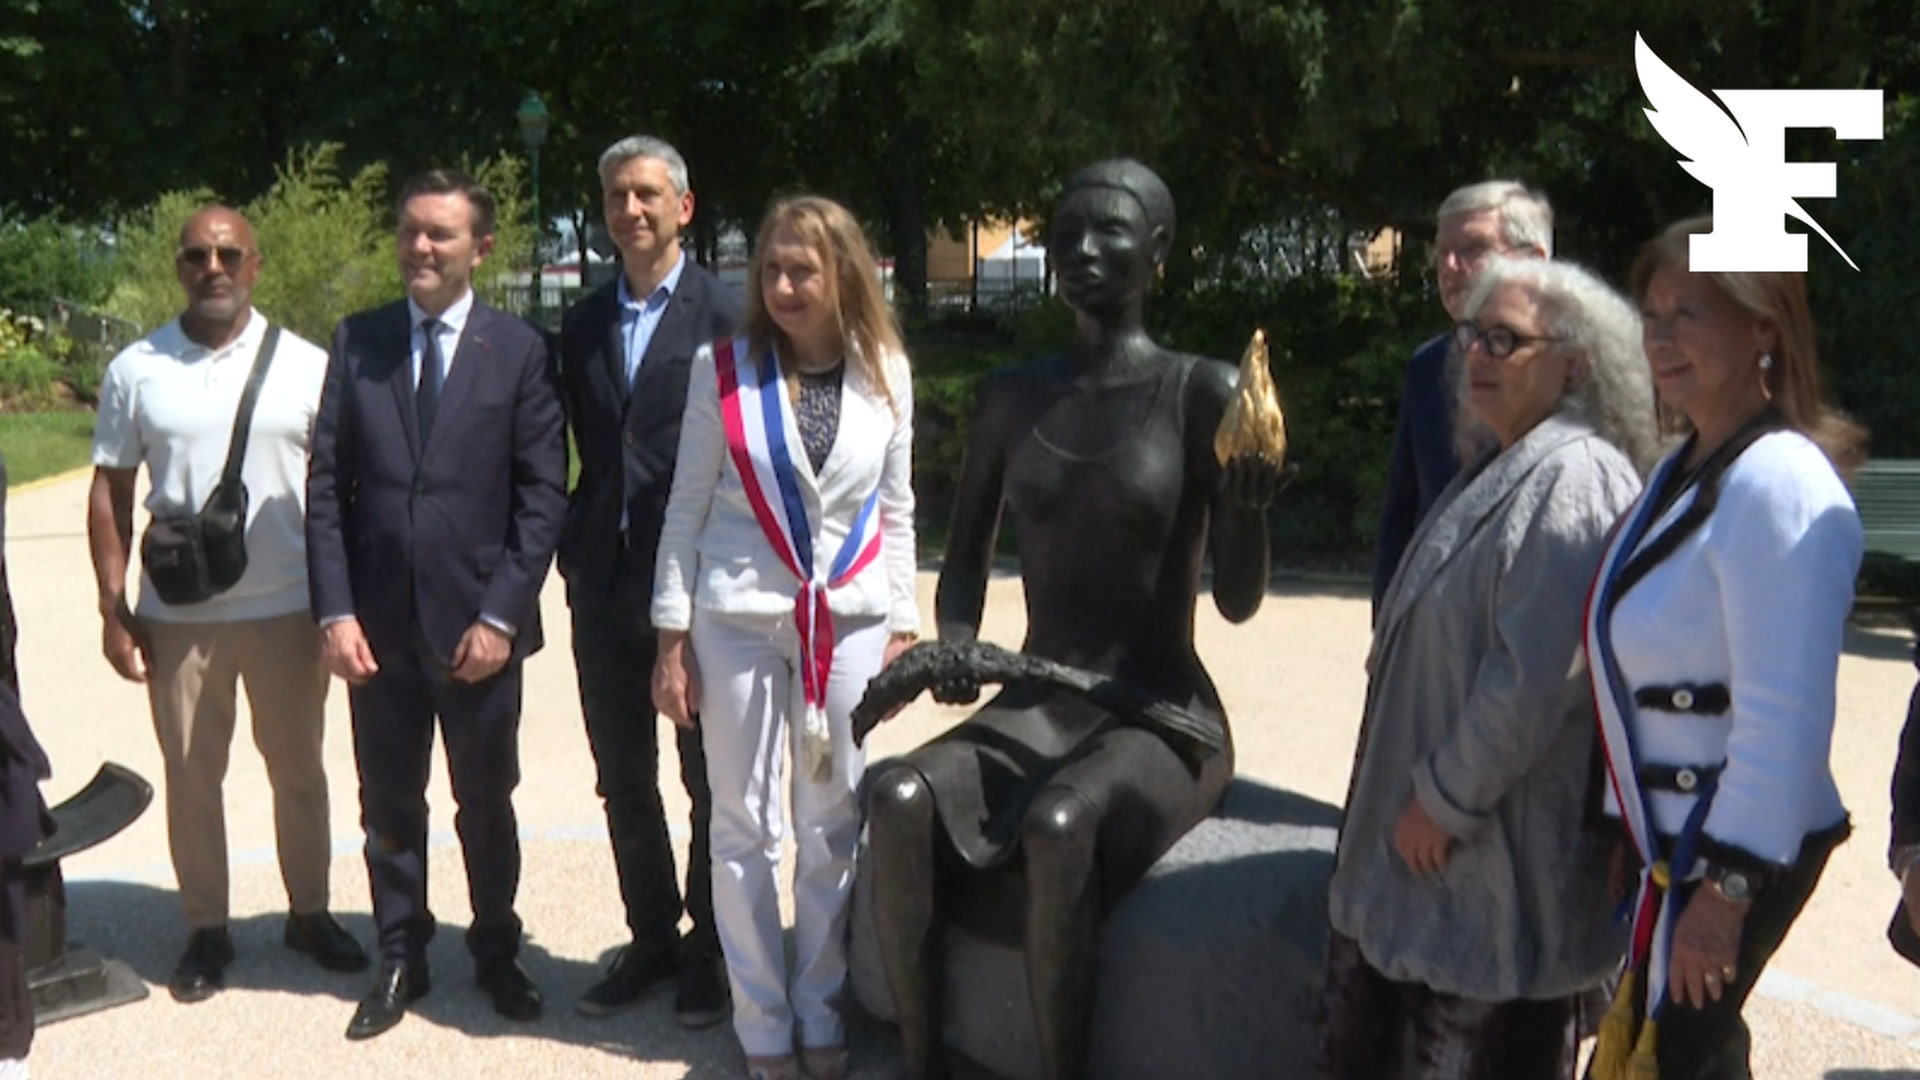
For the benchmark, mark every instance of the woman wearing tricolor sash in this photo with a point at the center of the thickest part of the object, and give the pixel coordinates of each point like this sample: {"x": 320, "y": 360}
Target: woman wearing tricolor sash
{"x": 784, "y": 582}
{"x": 1468, "y": 901}
{"x": 1713, "y": 638}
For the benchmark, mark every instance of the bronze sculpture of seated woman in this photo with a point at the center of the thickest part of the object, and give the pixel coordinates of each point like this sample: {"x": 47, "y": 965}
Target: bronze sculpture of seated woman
{"x": 1104, "y": 460}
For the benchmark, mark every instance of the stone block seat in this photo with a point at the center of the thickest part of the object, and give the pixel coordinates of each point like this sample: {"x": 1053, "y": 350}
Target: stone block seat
{"x": 1209, "y": 967}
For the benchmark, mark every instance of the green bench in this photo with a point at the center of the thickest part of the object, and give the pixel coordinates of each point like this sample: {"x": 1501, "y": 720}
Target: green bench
{"x": 1887, "y": 493}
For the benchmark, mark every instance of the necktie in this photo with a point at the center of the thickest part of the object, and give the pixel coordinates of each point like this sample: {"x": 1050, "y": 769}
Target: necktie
{"x": 426, "y": 396}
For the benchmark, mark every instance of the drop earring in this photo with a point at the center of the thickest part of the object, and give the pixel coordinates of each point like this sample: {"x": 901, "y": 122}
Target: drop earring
{"x": 1766, "y": 361}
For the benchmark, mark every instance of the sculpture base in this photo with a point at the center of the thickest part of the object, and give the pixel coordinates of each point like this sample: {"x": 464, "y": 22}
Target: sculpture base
{"x": 79, "y": 983}
{"x": 1211, "y": 966}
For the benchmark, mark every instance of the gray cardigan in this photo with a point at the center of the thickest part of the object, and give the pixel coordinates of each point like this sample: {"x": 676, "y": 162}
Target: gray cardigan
{"x": 1478, "y": 704}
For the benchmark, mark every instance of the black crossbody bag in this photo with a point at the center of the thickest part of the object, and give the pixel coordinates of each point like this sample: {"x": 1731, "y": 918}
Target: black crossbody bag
{"x": 192, "y": 558}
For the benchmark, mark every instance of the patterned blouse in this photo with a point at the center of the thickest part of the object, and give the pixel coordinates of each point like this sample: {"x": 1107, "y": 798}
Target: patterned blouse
{"x": 816, "y": 411}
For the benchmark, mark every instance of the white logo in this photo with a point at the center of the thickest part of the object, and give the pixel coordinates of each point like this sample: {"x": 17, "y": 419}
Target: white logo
{"x": 1743, "y": 158}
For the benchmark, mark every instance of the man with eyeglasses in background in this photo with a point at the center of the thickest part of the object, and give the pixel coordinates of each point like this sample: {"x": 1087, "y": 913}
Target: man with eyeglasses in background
{"x": 1476, "y": 222}
{"x": 169, "y": 402}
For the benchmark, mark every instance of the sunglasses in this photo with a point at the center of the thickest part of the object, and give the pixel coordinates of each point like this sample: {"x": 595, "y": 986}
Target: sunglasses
{"x": 1499, "y": 341}
{"x": 202, "y": 257}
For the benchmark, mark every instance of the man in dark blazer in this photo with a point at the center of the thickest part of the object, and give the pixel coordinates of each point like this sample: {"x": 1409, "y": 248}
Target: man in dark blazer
{"x": 624, "y": 353}
{"x": 1475, "y": 223}
{"x": 434, "y": 501}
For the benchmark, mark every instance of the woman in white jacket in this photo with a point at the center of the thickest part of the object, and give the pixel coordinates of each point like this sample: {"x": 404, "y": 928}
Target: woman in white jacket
{"x": 785, "y": 581}
{"x": 1714, "y": 636}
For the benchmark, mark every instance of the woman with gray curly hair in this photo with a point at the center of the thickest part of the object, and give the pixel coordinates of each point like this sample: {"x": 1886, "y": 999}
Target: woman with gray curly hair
{"x": 1469, "y": 905}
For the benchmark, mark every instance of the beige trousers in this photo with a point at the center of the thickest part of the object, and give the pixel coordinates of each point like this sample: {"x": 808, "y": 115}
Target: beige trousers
{"x": 191, "y": 682}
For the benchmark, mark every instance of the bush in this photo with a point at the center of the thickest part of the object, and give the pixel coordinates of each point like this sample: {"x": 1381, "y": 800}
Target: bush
{"x": 1869, "y": 319}
{"x": 85, "y": 369}
{"x": 29, "y": 372}
{"x": 327, "y": 246}
{"x": 47, "y": 259}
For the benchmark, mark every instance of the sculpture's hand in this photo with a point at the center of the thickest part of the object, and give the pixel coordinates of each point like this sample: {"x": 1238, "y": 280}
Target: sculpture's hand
{"x": 1253, "y": 481}
{"x": 958, "y": 690}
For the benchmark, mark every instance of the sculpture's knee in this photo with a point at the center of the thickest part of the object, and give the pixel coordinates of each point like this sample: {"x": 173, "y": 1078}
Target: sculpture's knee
{"x": 1059, "y": 831}
{"x": 901, "y": 806}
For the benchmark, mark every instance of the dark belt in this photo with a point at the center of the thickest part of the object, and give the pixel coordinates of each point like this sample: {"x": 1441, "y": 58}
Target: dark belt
{"x": 1685, "y": 779}
{"x": 1711, "y": 699}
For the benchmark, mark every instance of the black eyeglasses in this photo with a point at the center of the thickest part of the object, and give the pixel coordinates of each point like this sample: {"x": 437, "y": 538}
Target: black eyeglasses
{"x": 201, "y": 257}
{"x": 1499, "y": 341}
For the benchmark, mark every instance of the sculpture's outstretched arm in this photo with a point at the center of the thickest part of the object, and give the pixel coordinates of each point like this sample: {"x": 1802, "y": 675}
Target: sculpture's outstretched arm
{"x": 933, "y": 664}
{"x": 1241, "y": 493}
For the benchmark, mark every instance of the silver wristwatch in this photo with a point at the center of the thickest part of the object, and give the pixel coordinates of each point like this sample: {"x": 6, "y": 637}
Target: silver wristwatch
{"x": 1733, "y": 885}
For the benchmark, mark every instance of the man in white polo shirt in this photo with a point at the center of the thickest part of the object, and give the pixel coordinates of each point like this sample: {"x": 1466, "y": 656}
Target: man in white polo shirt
{"x": 169, "y": 402}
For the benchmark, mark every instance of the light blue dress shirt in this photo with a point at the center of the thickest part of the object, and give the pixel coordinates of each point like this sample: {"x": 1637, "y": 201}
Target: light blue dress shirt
{"x": 639, "y": 319}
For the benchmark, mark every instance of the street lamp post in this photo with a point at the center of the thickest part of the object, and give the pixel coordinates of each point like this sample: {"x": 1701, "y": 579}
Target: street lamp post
{"x": 533, "y": 119}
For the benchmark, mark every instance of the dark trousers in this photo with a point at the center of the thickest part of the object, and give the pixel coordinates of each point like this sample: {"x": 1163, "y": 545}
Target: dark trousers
{"x": 1373, "y": 1028}
{"x": 393, "y": 718}
{"x": 1713, "y": 1043}
{"x": 613, "y": 649}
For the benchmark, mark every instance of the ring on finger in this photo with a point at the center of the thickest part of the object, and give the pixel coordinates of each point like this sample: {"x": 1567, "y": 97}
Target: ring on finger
{"x": 1713, "y": 979}
{"x": 1727, "y": 972}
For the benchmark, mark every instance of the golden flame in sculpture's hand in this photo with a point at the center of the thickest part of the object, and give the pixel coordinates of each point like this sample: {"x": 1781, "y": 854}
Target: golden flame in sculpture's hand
{"x": 1254, "y": 423}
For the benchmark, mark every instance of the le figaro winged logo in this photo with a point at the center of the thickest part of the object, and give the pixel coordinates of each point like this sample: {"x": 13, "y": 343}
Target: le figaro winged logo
{"x": 1740, "y": 151}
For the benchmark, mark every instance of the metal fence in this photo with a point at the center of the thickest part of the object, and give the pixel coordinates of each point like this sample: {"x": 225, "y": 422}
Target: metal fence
{"x": 85, "y": 324}
{"x": 997, "y": 294}
{"x": 554, "y": 299}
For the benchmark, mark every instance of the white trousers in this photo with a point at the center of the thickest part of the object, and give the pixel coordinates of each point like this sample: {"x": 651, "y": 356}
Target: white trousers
{"x": 751, "y": 710}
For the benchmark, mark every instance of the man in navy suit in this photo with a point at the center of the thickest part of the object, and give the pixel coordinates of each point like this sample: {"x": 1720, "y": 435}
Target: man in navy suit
{"x": 624, "y": 352}
{"x": 434, "y": 501}
{"x": 1476, "y": 222}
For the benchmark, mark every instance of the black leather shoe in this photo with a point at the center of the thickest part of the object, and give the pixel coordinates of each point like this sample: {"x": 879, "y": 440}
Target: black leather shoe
{"x": 632, "y": 973}
{"x": 386, "y": 1004}
{"x": 202, "y": 969}
{"x": 324, "y": 939}
{"x": 514, "y": 995}
{"x": 701, "y": 1000}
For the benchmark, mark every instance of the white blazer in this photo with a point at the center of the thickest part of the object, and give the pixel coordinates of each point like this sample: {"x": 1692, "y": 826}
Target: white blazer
{"x": 713, "y": 555}
{"x": 1755, "y": 600}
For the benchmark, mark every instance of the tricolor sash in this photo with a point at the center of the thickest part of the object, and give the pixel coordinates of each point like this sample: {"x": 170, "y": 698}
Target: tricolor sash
{"x": 1654, "y": 908}
{"x": 754, "y": 413}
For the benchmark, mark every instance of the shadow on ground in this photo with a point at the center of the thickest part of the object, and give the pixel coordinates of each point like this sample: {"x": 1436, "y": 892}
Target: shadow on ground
{"x": 139, "y": 925}
{"x": 1878, "y": 638}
